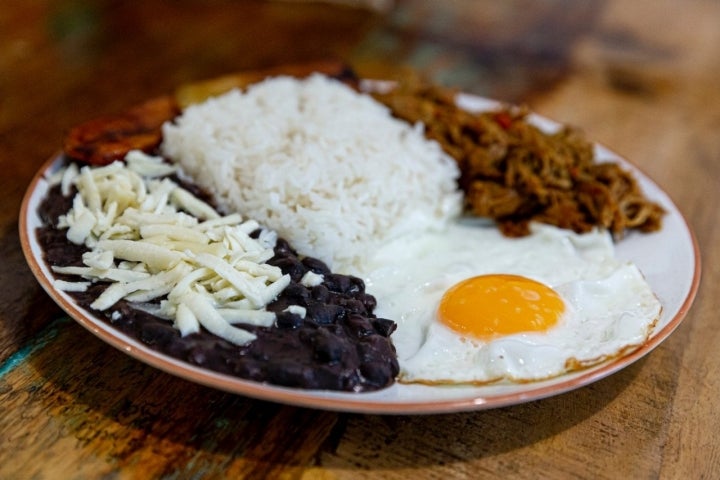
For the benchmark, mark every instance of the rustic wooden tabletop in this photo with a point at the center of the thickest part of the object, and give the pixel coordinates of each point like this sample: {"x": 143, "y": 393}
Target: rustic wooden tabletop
{"x": 642, "y": 77}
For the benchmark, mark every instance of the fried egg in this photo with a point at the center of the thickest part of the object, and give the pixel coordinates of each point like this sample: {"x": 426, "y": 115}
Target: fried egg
{"x": 473, "y": 306}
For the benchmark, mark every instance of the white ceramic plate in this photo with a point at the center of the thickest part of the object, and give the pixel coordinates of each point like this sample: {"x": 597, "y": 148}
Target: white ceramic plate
{"x": 669, "y": 260}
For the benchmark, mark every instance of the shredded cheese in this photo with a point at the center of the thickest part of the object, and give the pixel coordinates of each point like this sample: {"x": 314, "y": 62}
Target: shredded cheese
{"x": 297, "y": 310}
{"x": 311, "y": 279}
{"x": 155, "y": 241}
{"x": 71, "y": 286}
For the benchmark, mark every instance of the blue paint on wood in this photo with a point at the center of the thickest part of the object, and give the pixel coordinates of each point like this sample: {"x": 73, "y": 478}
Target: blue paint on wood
{"x": 40, "y": 340}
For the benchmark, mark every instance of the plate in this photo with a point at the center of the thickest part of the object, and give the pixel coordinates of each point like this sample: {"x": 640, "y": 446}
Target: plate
{"x": 669, "y": 259}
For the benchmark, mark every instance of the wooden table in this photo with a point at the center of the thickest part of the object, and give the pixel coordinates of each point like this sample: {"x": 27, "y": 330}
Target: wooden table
{"x": 642, "y": 77}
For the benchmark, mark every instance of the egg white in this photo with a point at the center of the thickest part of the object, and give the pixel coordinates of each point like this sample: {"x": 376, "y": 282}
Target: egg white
{"x": 610, "y": 309}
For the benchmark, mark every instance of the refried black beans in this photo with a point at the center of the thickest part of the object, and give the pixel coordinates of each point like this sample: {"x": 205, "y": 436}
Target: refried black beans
{"x": 339, "y": 345}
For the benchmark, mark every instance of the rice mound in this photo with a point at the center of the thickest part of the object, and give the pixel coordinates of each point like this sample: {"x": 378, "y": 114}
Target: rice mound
{"x": 327, "y": 167}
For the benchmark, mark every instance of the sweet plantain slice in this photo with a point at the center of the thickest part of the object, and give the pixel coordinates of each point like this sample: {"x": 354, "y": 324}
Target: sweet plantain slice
{"x": 105, "y": 139}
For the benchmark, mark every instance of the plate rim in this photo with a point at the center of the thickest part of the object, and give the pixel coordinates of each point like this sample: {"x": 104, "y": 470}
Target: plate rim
{"x": 347, "y": 401}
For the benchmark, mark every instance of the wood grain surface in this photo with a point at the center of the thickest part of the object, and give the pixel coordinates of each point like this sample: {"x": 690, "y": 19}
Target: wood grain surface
{"x": 641, "y": 77}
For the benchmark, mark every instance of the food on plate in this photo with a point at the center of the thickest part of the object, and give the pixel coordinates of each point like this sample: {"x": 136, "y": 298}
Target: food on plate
{"x": 105, "y": 139}
{"x": 326, "y": 167}
{"x": 516, "y": 173}
{"x": 474, "y": 306}
{"x": 135, "y": 246}
{"x": 233, "y": 143}
{"x": 108, "y": 138}
{"x": 381, "y": 213}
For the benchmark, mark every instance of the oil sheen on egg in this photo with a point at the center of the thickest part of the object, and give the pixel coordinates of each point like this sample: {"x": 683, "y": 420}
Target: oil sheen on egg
{"x": 473, "y": 306}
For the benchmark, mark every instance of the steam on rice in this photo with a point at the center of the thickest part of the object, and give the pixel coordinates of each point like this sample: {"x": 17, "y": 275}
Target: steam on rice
{"x": 327, "y": 167}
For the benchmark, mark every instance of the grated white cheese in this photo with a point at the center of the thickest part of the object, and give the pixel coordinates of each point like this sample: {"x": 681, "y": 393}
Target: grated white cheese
{"x": 311, "y": 279}
{"x": 71, "y": 286}
{"x": 297, "y": 310}
{"x": 185, "y": 320}
{"x": 152, "y": 239}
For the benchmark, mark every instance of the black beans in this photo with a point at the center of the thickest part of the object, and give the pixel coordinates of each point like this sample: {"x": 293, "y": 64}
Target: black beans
{"x": 289, "y": 265}
{"x": 316, "y": 266}
{"x": 158, "y": 333}
{"x": 360, "y": 326}
{"x": 384, "y": 326}
{"x": 288, "y": 373}
{"x": 296, "y": 294}
{"x": 325, "y": 314}
{"x": 320, "y": 293}
{"x": 337, "y": 344}
{"x": 329, "y": 348}
{"x": 250, "y": 369}
{"x": 369, "y": 302}
{"x": 377, "y": 372}
{"x": 283, "y": 248}
{"x": 349, "y": 347}
{"x": 353, "y": 305}
{"x": 344, "y": 284}
{"x": 288, "y": 320}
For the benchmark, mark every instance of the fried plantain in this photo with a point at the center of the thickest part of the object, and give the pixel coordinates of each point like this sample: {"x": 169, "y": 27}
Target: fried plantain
{"x": 102, "y": 140}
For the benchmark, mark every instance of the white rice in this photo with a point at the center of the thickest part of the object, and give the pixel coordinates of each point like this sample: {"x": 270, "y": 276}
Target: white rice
{"x": 326, "y": 167}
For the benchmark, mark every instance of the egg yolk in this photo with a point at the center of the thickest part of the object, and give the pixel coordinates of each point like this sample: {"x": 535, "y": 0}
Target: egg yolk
{"x": 495, "y": 305}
